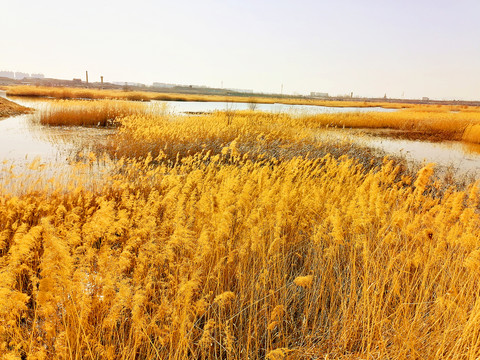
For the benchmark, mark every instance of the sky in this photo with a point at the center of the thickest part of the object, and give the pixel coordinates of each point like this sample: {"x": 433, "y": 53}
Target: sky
{"x": 407, "y": 48}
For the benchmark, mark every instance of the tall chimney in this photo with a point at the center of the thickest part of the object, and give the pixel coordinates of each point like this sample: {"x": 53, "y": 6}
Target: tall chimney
{"x": 87, "y": 76}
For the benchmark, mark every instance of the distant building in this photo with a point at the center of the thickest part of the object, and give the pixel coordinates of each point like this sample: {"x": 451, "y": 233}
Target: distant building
{"x": 21, "y": 75}
{"x": 125, "y": 83}
{"x": 425, "y": 98}
{"x": 7, "y": 74}
{"x": 163, "y": 85}
{"x": 242, "y": 91}
{"x": 319, "y": 94}
{"x": 77, "y": 81}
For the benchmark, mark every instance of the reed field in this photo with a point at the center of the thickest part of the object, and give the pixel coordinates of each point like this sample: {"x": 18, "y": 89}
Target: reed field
{"x": 102, "y": 113}
{"x": 431, "y": 122}
{"x": 436, "y": 123}
{"x": 97, "y": 94}
{"x": 242, "y": 236}
{"x": 89, "y": 93}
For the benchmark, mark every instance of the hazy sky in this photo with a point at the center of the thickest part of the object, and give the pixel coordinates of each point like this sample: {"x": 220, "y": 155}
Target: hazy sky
{"x": 409, "y": 48}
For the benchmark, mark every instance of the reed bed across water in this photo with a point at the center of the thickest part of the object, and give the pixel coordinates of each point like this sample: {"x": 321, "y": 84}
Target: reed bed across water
{"x": 437, "y": 123}
{"x": 86, "y": 93}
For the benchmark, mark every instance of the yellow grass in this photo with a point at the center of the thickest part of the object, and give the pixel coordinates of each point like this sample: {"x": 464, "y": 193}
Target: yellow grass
{"x": 206, "y": 250}
{"x": 274, "y": 133}
{"x": 8, "y": 108}
{"x": 440, "y": 121}
{"x": 437, "y": 122}
{"x": 472, "y": 133}
{"x": 239, "y": 259}
{"x": 84, "y": 93}
{"x": 89, "y": 113}
{"x": 140, "y": 135}
{"x": 260, "y": 135}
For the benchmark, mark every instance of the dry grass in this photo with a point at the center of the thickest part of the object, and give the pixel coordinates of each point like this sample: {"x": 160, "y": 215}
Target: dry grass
{"x": 232, "y": 237}
{"x": 260, "y": 135}
{"x": 95, "y": 94}
{"x": 472, "y": 133}
{"x": 439, "y": 123}
{"x": 224, "y": 257}
{"x": 82, "y": 93}
{"x": 91, "y": 113}
{"x": 140, "y": 135}
{"x": 8, "y": 108}
{"x": 257, "y": 132}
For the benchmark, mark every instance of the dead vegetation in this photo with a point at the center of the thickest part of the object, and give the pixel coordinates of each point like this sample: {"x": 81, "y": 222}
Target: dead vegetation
{"x": 85, "y": 93}
{"x": 240, "y": 237}
{"x": 9, "y": 108}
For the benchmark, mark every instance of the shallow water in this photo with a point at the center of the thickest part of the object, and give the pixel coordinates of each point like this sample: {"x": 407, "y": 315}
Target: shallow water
{"x": 462, "y": 158}
{"x": 179, "y": 107}
{"x": 22, "y": 140}
{"x": 53, "y": 151}
{"x": 199, "y": 107}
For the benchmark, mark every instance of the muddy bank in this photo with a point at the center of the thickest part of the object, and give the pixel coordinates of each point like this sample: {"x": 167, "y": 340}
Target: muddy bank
{"x": 8, "y": 108}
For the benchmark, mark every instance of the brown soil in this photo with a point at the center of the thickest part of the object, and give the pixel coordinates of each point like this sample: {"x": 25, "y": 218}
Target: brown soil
{"x": 8, "y": 108}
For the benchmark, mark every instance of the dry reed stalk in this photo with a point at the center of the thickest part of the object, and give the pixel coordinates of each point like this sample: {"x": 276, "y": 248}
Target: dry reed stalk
{"x": 221, "y": 256}
{"x": 443, "y": 124}
{"x": 472, "y": 134}
{"x": 9, "y": 108}
{"x": 87, "y": 113}
{"x": 215, "y": 253}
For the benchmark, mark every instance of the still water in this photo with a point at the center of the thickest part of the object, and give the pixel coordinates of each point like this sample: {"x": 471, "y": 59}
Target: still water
{"x": 462, "y": 158}
{"x": 185, "y": 107}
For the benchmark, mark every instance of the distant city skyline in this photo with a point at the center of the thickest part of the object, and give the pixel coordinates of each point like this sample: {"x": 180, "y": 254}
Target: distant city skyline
{"x": 19, "y": 75}
{"x": 409, "y": 49}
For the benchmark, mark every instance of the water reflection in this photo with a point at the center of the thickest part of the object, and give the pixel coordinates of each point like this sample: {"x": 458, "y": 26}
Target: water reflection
{"x": 22, "y": 140}
{"x": 34, "y": 156}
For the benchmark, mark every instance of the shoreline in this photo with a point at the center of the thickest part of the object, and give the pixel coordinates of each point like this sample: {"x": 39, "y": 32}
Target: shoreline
{"x": 9, "y": 108}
